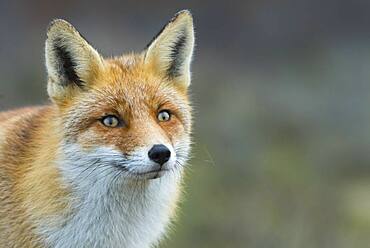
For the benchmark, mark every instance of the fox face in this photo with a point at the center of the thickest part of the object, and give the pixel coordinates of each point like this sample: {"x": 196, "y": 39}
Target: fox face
{"x": 128, "y": 116}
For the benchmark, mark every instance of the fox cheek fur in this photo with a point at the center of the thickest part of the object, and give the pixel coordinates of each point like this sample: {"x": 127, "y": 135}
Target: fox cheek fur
{"x": 100, "y": 166}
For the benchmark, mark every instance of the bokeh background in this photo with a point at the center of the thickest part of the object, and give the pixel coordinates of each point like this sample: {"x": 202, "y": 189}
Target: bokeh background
{"x": 282, "y": 97}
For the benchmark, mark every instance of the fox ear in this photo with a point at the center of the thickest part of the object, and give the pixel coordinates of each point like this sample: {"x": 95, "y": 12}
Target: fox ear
{"x": 71, "y": 62}
{"x": 170, "y": 52}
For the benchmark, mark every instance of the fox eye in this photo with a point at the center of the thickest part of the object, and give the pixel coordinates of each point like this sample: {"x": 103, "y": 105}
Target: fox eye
{"x": 110, "y": 121}
{"x": 164, "y": 115}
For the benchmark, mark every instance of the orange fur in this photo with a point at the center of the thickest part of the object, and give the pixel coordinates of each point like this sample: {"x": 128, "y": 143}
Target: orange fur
{"x": 31, "y": 186}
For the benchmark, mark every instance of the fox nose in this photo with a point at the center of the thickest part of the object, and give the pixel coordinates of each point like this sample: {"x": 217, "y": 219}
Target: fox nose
{"x": 159, "y": 154}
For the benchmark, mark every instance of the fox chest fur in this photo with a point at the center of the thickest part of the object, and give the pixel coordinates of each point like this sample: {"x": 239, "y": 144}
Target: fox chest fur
{"x": 102, "y": 164}
{"x": 119, "y": 214}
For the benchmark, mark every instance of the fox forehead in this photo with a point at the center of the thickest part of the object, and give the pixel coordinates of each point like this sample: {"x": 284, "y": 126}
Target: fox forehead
{"x": 129, "y": 78}
{"x": 125, "y": 87}
{"x": 127, "y": 82}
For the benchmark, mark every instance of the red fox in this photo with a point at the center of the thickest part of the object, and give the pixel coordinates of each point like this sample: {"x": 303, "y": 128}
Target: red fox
{"x": 102, "y": 164}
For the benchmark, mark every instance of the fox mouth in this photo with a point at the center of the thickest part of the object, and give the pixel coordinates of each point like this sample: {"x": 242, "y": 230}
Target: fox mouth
{"x": 151, "y": 171}
{"x": 152, "y": 174}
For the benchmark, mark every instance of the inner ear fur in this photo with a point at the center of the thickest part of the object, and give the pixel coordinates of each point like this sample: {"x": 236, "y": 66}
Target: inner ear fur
{"x": 71, "y": 62}
{"x": 171, "y": 50}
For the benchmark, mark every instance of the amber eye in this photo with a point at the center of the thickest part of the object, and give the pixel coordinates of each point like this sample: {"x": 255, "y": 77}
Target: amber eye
{"x": 164, "y": 115}
{"x": 110, "y": 121}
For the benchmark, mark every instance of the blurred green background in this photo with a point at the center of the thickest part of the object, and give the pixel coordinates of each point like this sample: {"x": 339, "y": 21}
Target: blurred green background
{"x": 281, "y": 91}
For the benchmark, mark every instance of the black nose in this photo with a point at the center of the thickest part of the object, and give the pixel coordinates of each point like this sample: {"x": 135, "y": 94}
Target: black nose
{"x": 159, "y": 154}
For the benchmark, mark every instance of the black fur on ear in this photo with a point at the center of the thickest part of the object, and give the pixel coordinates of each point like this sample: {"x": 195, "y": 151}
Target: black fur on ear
{"x": 70, "y": 59}
{"x": 67, "y": 66}
{"x": 171, "y": 50}
{"x": 177, "y": 51}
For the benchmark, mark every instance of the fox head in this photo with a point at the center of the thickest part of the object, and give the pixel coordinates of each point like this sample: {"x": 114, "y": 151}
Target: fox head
{"x": 129, "y": 114}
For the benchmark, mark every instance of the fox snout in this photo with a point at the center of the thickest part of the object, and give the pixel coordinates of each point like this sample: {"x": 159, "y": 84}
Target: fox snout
{"x": 159, "y": 154}
{"x": 156, "y": 160}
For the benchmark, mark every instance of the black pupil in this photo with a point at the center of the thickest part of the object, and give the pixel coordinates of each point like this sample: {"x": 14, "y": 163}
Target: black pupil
{"x": 110, "y": 121}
